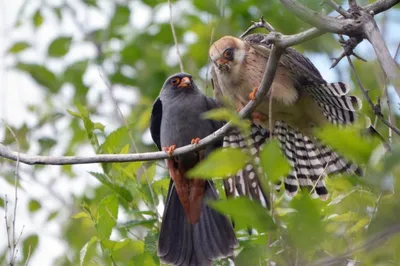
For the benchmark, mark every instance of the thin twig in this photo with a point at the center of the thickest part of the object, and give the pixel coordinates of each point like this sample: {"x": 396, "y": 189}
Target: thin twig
{"x": 389, "y": 114}
{"x": 338, "y": 8}
{"x": 123, "y": 120}
{"x": 7, "y": 225}
{"x": 259, "y": 24}
{"x": 209, "y": 59}
{"x": 370, "y": 244}
{"x": 174, "y": 35}
{"x": 16, "y": 182}
{"x": 348, "y": 49}
{"x": 374, "y": 108}
{"x": 397, "y": 52}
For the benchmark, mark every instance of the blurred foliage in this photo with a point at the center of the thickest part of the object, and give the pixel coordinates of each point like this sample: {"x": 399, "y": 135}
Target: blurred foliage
{"x": 117, "y": 221}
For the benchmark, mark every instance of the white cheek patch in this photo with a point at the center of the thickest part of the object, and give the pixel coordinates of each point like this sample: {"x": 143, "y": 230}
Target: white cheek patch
{"x": 240, "y": 55}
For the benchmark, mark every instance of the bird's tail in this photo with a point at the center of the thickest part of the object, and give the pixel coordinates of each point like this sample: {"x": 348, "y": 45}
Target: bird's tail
{"x": 311, "y": 161}
{"x": 247, "y": 182}
{"x": 182, "y": 243}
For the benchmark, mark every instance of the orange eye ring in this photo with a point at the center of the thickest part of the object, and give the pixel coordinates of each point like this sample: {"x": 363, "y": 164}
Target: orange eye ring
{"x": 175, "y": 81}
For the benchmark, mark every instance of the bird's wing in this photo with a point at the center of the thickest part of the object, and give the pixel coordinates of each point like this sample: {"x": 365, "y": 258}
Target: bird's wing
{"x": 155, "y": 122}
{"x": 304, "y": 70}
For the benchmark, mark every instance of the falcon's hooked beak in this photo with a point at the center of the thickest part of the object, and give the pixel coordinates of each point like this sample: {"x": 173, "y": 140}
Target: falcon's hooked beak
{"x": 222, "y": 61}
{"x": 222, "y": 64}
{"x": 185, "y": 82}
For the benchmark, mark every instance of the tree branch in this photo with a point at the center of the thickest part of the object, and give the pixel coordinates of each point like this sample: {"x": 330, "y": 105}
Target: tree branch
{"x": 174, "y": 35}
{"x": 295, "y": 39}
{"x": 336, "y": 25}
{"x": 389, "y": 66}
{"x": 381, "y": 6}
{"x": 375, "y": 108}
{"x": 362, "y": 24}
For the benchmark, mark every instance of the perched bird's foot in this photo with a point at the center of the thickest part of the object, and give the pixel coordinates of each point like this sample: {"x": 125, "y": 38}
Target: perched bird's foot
{"x": 195, "y": 141}
{"x": 170, "y": 149}
{"x": 252, "y": 94}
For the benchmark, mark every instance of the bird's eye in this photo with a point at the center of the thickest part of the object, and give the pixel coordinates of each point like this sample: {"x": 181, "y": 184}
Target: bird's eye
{"x": 228, "y": 54}
{"x": 175, "y": 81}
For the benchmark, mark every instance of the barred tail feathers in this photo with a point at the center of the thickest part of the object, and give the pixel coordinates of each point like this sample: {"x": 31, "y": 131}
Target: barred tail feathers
{"x": 311, "y": 162}
{"x": 246, "y": 181}
{"x": 338, "y": 107}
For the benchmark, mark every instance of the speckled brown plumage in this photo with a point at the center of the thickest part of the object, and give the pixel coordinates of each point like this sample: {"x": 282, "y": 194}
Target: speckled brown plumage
{"x": 301, "y": 101}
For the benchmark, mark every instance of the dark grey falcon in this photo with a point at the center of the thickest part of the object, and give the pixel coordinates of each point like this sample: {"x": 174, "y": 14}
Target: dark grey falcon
{"x": 191, "y": 232}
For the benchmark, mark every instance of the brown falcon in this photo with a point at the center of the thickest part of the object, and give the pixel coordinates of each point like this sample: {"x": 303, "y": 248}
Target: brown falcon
{"x": 301, "y": 100}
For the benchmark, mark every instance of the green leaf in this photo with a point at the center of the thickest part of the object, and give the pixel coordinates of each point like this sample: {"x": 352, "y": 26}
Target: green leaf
{"x": 305, "y": 225}
{"x": 42, "y": 75}
{"x": 273, "y": 162}
{"x": 18, "y": 47}
{"x": 115, "y": 245}
{"x": 37, "y": 19}
{"x": 345, "y": 217}
{"x": 47, "y": 143}
{"x": 252, "y": 255}
{"x": 144, "y": 259}
{"x": 82, "y": 253}
{"x": 107, "y": 216}
{"x": 89, "y": 126}
{"x": 91, "y": 2}
{"x": 226, "y": 114}
{"x": 73, "y": 74}
{"x": 146, "y": 223}
{"x": 73, "y": 113}
{"x": 210, "y": 7}
{"x": 121, "y": 191}
{"x": 2, "y": 202}
{"x": 150, "y": 242}
{"x": 52, "y": 215}
{"x": 348, "y": 142}
{"x": 245, "y": 212}
{"x": 361, "y": 224}
{"x": 139, "y": 212}
{"x": 59, "y": 47}
{"x": 121, "y": 16}
{"x": 116, "y": 140}
{"x": 29, "y": 245}
{"x": 58, "y": 12}
{"x": 221, "y": 114}
{"x": 99, "y": 126}
{"x": 34, "y": 206}
{"x": 80, "y": 215}
{"x": 220, "y": 163}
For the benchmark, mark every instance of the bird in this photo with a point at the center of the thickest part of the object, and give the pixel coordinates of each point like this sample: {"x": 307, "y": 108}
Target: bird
{"x": 191, "y": 232}
{"x": 301, "y": 101}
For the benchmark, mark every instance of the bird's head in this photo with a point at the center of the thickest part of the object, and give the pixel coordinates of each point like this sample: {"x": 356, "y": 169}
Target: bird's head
{"x": 179, "y": 83}
{"x": 228, "y": 53}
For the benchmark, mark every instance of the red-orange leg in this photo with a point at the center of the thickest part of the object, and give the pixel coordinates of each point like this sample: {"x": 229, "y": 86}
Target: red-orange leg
{"x": 170, "y": 149}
